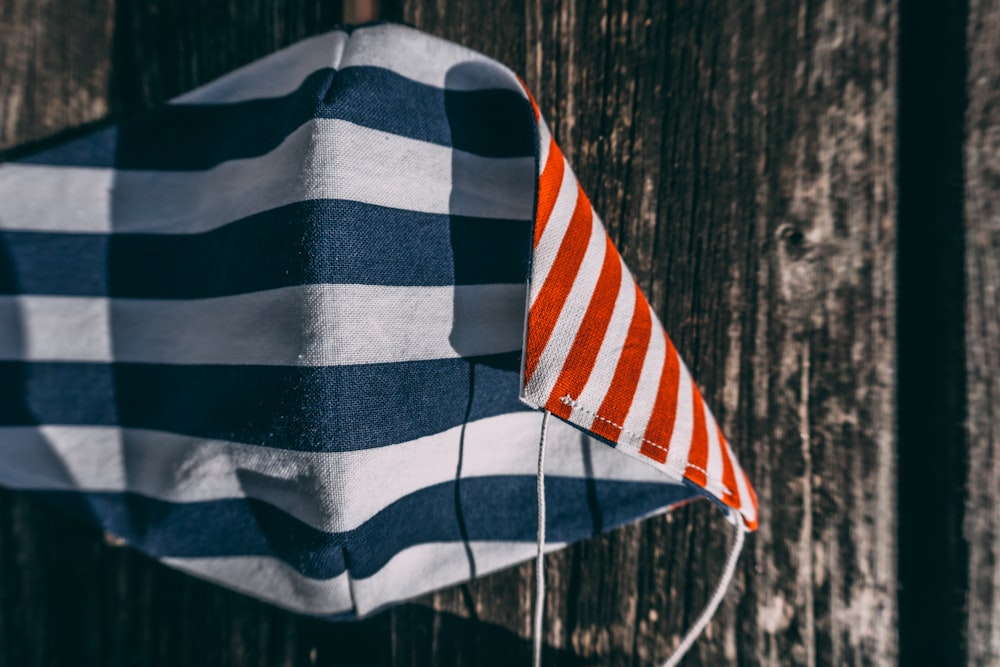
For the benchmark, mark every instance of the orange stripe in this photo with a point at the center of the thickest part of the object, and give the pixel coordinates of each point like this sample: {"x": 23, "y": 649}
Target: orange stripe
{"x": 752, "y": 525}
{"x": 728, "y": 475}
{"x": 698, "y": 455}
{"x": 552, "y": 296}
{"x": 587, "y": 344}
{"x": 616, "y": 404}
{"x": 551, "y": 177}
{"x": 549, "y": 184}
{"x": 661, "y": 422}
{"x": 750, "y": 502}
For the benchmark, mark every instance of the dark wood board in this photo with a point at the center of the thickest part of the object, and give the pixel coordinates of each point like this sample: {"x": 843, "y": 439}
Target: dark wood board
{"x": 742, "y": 155}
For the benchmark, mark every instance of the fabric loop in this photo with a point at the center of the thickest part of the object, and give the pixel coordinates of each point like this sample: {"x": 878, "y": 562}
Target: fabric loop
{"x": 536, "y": 635}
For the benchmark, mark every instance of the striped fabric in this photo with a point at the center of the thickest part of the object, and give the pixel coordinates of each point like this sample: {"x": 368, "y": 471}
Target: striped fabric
{"x": 597, "y": 356}
{"x": 273, "y": 333}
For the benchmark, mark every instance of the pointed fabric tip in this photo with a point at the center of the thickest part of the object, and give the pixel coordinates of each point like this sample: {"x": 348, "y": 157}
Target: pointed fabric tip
{"x": 595, "y": 354}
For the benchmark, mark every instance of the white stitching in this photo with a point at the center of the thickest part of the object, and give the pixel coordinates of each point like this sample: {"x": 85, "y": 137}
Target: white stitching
{"x": 567, "y": 400}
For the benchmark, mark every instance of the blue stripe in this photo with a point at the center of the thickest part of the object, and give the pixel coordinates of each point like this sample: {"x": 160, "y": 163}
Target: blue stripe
{"x": 499, "y": 508}
{"x": 335, "y": 408}
{"x": 491, "y": 123}
{"x": 317, "y": 241}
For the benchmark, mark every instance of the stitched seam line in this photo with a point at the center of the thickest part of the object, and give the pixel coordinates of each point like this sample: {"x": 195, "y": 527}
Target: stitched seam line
{"x": 567, "y": 400}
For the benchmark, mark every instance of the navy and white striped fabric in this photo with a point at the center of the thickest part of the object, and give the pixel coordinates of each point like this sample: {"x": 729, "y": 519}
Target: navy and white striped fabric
{"x": 270, "y": 334}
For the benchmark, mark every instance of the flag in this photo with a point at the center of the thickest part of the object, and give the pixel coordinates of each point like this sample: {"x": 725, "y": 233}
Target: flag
{"x": 294, "y": 332}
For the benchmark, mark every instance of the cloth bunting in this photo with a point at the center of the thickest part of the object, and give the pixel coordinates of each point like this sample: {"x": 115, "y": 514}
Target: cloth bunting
{"x": 294, "y": 331}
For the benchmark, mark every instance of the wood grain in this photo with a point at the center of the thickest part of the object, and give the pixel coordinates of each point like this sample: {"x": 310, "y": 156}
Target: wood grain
{"x": 742, "y": 156}
{"x": 982, "y": 330}
{"x": 55, "y": 66}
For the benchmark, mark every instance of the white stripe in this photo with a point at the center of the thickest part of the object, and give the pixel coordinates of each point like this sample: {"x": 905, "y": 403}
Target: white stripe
{"x": 713, "y": 466}
{"x": 405, "y": 51}
{"x": 331, "y": 491}
{"x": 312, "y": 325}
{"x": 592, "y": 396}
{"x": 746, "y": 501}
{"x": 428, "y": 567}
{"x": 553, "y": 357}
{"x": 544, "y": 144}
{"x": 272, "y": 580}
{"x": 680, "y": 439}
{"x": 648, "y": 387}
{"x": 427, "y": 59}
{"x": 322, "y": 159}
{"x": 555, "y": 229}
{"x": 43, "y": 198}
{"x": 36, "y": 328}
{"x": 419, "y": 569}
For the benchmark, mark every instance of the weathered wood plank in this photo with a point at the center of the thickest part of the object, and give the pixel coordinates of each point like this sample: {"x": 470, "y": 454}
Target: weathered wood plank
{"x": 55, "y": 66}
{"x": 742, "y": 155}
{"x": 982, "y": 330}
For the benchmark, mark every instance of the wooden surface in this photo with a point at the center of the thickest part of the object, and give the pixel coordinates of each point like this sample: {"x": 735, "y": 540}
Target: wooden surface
{"x": 55, "y": 66}
{"x": 982, "y": 272}
{"x": 743, "y": 155}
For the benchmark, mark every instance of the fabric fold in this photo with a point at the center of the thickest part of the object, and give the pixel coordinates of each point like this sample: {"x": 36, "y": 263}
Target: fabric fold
{"x": 275, "y": 333}
{"x": 596, "y": 355}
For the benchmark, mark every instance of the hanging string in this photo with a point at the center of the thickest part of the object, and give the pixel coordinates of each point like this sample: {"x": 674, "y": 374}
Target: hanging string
{"x": 713, "y": 603}
{"x": 536, "y": 634}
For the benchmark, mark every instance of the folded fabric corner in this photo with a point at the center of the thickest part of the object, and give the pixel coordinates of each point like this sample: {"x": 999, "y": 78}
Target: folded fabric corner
{"x": 596, "y": 355}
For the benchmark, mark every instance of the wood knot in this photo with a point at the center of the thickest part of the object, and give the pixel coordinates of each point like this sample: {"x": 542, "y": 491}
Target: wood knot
{"x": 793, "y": 239}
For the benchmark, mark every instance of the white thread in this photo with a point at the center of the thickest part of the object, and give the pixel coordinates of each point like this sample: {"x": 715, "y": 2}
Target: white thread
{"x": 713, "y": 603}
{"x": 567, "y": 400}
{"x": 540, "y": 556}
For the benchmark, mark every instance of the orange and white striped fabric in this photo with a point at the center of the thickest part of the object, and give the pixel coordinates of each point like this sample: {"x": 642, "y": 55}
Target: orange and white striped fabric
{"x": 596, "y": 355}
